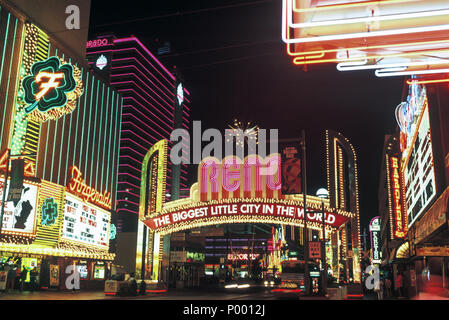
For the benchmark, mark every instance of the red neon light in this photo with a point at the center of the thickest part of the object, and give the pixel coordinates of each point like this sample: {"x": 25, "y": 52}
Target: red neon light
{"x": 79, "y": 187}
{"x": 400, "y": 228}
{"x": 156, "y": 291}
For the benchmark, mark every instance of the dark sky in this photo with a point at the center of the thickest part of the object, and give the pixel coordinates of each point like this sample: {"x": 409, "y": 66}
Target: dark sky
{"x": 234, "y": 64}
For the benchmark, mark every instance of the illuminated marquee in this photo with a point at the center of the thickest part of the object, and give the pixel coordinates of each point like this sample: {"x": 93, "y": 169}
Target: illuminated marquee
{"x": 52, "y": 89}
{"x": 249, "y": 210}
{"x": 374, "y": 228}
{"x": 400, "y": 226}
{"x": 78, "y": 186}
{"x": 243, "y": 256}
{"x": 392, "y": 37}
{"x": 236, "y": 191}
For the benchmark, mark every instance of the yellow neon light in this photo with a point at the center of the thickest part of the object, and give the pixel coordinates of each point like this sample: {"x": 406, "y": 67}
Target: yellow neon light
{"x": 50, "y": 84}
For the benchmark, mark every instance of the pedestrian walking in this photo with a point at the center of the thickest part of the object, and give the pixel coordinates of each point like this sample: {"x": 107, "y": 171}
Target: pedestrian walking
{"x": 388, "y": 288}
{"x": 399, "y": 284}
{"x": 11, "y": 278}
{"x": 33, "y": 276}
{"x": 23, "y": 277}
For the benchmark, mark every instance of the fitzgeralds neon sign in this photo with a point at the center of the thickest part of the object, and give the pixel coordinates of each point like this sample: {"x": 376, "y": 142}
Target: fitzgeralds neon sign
{"x": 52, "y": 89}
{"x": 400, "y": 227}
{"x": 78, "y": 186}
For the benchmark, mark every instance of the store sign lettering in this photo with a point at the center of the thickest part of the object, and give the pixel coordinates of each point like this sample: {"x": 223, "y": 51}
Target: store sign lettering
{"x": 242, "y": 256}
{"x": 241, "y": 210}
{"x": 78, "y": 186}
{"x": 399, "y": 225}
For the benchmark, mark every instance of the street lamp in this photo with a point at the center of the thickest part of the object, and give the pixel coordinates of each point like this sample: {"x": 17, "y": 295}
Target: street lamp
{"x": 323, "y": 194}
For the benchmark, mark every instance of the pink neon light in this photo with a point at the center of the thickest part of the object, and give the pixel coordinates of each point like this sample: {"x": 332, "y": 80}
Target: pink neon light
{"x": 123, "y": 148}
{"x": 128, "y": 174}
{"x": 146, "y": 50}
{"x": 130, "y": 66}
{"x": 123, "y": 209}
{"x": 123, "y": 156}
{"x": 129, "y": 192}
{"x": 128, "y": 97}
{"x": 128, "y": 58}
{"x": 127, "y": 165}
{"x": 134, "y": 74}
{"x": 152, "y": 129}
{"x": 137, "y": 76}
{"x": 132, "y": 132}
{"x": 248, "y": 164}
{"x": 128, "y": 202}
{"x": 134, "y": 142}
{"x": 148, "y": 118}
{"x": 206, "y": 178}
{"x": 131, "y": 81}
{"x": 275, "y": 160}
{"x": 147, "y": 109}
{"x": 228, "y": 175}
{"x": 125, "y": 182}
{"x": 136, "y": 126}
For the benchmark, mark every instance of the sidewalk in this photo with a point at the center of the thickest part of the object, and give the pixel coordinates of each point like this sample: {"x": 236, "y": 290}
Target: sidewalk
{"x": 54, "y": 295}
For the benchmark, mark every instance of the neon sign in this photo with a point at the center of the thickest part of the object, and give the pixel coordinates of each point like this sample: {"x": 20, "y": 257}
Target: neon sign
{"x": 369, "y": 35}
{"x": 52, "y": 89}
{"x": 374, "y": 228}
{"x": 400, "y": 227}
{"x": 212, "y": 214}
{"x": 234, "y": 178}
{"x": 97, "y": 43}
{"x": 78, "y": 186}
{"x": 242, "y": 256}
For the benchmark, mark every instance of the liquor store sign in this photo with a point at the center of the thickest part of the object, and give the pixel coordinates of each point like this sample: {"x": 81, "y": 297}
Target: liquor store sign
{"x": 243, "y": 211}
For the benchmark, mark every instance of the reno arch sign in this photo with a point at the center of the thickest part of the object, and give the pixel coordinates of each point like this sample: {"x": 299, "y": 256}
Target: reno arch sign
{"x": 241, "y": 211}
{"x": 240, "y": 191}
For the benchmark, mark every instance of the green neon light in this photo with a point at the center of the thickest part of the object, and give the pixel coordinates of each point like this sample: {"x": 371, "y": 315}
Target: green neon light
{"x": 110, "y": 139}
{"x": 70, "y": 134}
{"x": 93, "y": 138}
{"x": 1, "y": 71}
{"x": 104, "y": 142}
{"x": 99, "y": 139}
{"x": 53, "y": 98}
{"x": 78, "y": 118}
{"x": 84, "y": 118}
{"x": 9, "y": 77}
{"x": 88, "y": 131}
{"x": 115, "y": 144}
{"x": 49, "y": 212}
{"x": 119, "y": 105}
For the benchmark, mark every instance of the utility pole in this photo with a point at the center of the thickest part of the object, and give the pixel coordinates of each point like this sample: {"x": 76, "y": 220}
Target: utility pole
{"x": 304, "y": 192}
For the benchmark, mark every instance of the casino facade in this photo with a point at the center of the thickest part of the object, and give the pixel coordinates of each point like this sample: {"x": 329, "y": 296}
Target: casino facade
{"x": 232, "y": 192}
{"x": 62, "y": 125}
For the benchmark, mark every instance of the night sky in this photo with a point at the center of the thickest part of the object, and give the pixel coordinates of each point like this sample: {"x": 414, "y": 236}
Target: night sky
{"x": 235, "y": 65}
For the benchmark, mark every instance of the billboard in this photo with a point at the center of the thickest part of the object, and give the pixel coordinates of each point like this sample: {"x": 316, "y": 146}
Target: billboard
{"x": 291, "y": 168}
{"x": 20, "y": 216}
{"x": 85, "y": 223}
{"x": 374, "y": 228}
{"x": 418, "y": 163}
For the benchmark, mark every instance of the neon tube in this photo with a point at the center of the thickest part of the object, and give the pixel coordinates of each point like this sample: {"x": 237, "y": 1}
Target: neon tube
{"x": 353, "y": 35}
{"x": 393, "y": 73}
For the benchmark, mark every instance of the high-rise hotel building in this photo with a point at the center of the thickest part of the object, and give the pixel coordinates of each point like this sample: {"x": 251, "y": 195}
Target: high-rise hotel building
{"x": 155, "y": 103}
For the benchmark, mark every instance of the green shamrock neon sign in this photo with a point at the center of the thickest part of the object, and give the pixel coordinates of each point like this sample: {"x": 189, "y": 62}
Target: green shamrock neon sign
{"x": 48, "y": 85}
{"x": 49, "y": 212}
